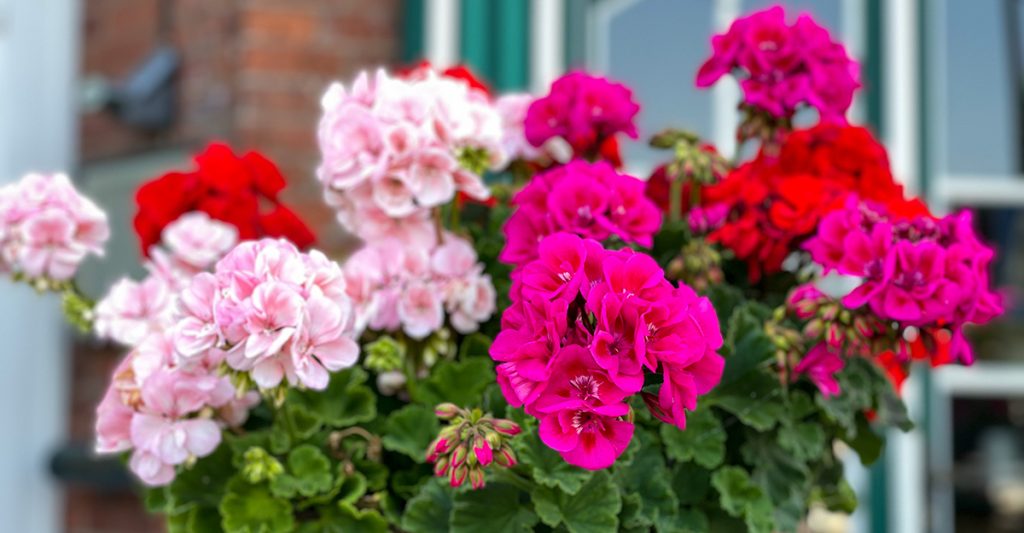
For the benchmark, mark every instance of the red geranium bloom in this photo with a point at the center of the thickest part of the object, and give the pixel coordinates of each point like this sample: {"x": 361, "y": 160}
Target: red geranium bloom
{"x": 776, "y": 203}
{"x": 242, "y": 191}
{"x": 459, "y": 72}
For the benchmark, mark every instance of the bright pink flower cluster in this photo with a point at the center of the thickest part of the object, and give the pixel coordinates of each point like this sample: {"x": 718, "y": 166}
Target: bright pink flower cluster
{"x": 583, "y": 110}
{"x": 920, "y": 272}
{"x": 278, "y": 313}
{"x": 47, "y": 228}
{"x": 591, "y": 200}
{"x": 164, "y": 413}
{"x": 584, "y": 326}
{"x": 411, "y": 288}
{"x": 782, "y": 66}
{"x": 395, "y": 148}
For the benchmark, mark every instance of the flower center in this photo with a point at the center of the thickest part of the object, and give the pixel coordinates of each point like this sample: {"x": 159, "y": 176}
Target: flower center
{"x": 586, "y": 387}
{"x": 586, "y": 421}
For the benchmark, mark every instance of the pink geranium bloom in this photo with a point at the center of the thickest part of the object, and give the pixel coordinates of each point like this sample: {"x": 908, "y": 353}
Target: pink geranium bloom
{"x": 559, "y": 270}
{"x": 132, "y": 310}
{"x": 588, "y": 437}
{"x": 321, "y": 346}
{"x": 820, "y": 365}
{"x": 197, "y": 240}
{"x": 577, "y": 381}
{"x": 274, "y": 315}
{"x": 421, "y": 310}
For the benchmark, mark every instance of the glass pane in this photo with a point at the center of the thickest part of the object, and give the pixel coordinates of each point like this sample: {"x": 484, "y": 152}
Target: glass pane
{"x": 655, "y": 47}
{"x": 979, "y": 108}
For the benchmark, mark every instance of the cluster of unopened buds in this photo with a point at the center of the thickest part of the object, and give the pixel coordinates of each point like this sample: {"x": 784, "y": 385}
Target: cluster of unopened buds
{"x": 471, "y": 442}
{"x": 699, "y": 265}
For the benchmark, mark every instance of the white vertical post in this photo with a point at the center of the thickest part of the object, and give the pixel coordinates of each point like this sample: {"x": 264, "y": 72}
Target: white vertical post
{"x": 547, "y": 50}
{"x": 854, "y": 34}
{"x": 38, "y": 125}
{"x": 725, "y": 95}
{"x": 442, "y": 32}
{"x": 905, "y": 463}
{"x": 902, "y": 91}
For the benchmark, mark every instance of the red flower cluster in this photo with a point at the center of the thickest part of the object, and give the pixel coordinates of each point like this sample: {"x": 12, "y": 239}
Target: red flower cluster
{"x": 242, "y": 191}
{"x": 775, "y": 203}
{"x": 458, "y": 72}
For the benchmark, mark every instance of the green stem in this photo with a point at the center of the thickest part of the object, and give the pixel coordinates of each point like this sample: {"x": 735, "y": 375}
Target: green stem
{"x": 675, "y": 199}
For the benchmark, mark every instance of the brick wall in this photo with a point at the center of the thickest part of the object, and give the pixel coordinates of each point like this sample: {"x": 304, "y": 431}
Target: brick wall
{"x": 252, "y": 74}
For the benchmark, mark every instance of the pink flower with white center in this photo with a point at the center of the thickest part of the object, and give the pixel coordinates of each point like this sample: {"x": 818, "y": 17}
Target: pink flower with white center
{"x": 47, "y": 228}
{"x": 165, "y": 414}
{"x": 512, "y": 108}
{"x": 320, "y": 347}
{"x": 132, "y": 310}
{"x": 420, "y": 309}
{"x": 269, "y": 310}
{"x": 275, "y": 314}
{"x": 391, "y": 150}
{"x": 197, "y": 240}
{"x": 470, "y": 303}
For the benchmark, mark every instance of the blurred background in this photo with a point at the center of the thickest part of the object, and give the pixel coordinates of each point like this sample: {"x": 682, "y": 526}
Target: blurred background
{"x": 119, "y": 91}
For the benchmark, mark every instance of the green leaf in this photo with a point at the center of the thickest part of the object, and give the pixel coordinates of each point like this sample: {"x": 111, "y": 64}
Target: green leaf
{"x": 547, "y": 466}
{"x": 647, "y": 476}
{"x": 496, "y": 508}
{"x": 703, "y": 440}
{"x": 195, "y": 520}
{"x": 741, "y": 498}
{"x": 856, "y": 381}
{"x": 430, "y": 510}
{"x": 692, "y": 521}
{"x": 250, "y": 508}
{"x": 725, "y": 298}
{"x": 475, "y": 345}
{"x": 632, "y": 517}
{"x": 594, "y": 508}
{"x": 865, "y": 441}
{"x": 309, "y": 474}
{"x": 345, "y": 402}
{"x": 203, "y": 484}
{"x": 756, "y": 399}
{"x": 461, "y": 383}
{"x": 690, "y": 482}
{"x": 747, "y": 345}
{"x": 784, "y": 477}
{"x": 344, "y": 518}
{"x": 805, "y": 440}
{"x": 409, "y": 431}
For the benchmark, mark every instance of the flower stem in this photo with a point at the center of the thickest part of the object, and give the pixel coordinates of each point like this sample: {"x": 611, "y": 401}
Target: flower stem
{"x": 675, "y": 199}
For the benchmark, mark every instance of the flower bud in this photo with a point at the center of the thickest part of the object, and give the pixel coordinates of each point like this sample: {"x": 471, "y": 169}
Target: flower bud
{"x": 507, "y": 427}
{"x": 447, "y": 411}
{"x": 482, "y": 451}
{"x": 506, "y": 457}
{"x": 458, "y": 475}
{"x": 476, "y": 478}
{"x": 441, "y": 467}
{"x": 459, "y": 455}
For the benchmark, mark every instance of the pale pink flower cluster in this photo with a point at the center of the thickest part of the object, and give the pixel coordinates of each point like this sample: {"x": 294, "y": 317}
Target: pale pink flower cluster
{"x": 391, "y": 150}
{"x": 47, "y": 228}
{"x": 278, "y": 313}
{"x": 412, "y": 288}
{"x": 165, "y": 413}
{"x": 132, "y": 310}
{"x": 512, "y": 108}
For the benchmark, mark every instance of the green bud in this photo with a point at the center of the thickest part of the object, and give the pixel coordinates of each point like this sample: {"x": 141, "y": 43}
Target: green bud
{"x": 384, "y": 355}
{"x": 447, "y": 411}
{"x": 442, "y": 466}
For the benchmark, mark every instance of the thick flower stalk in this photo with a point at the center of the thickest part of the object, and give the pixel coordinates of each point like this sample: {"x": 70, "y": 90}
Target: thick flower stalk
{"x": 585, "y": 327}
{"x": 394, "y": 149}
{"x": 584, "y": 111}
{"x": 783, "y": 66}
{"x": 47, "y": 228}
{"x": 591, "y": 200}
{"x": 471, "y": 443}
